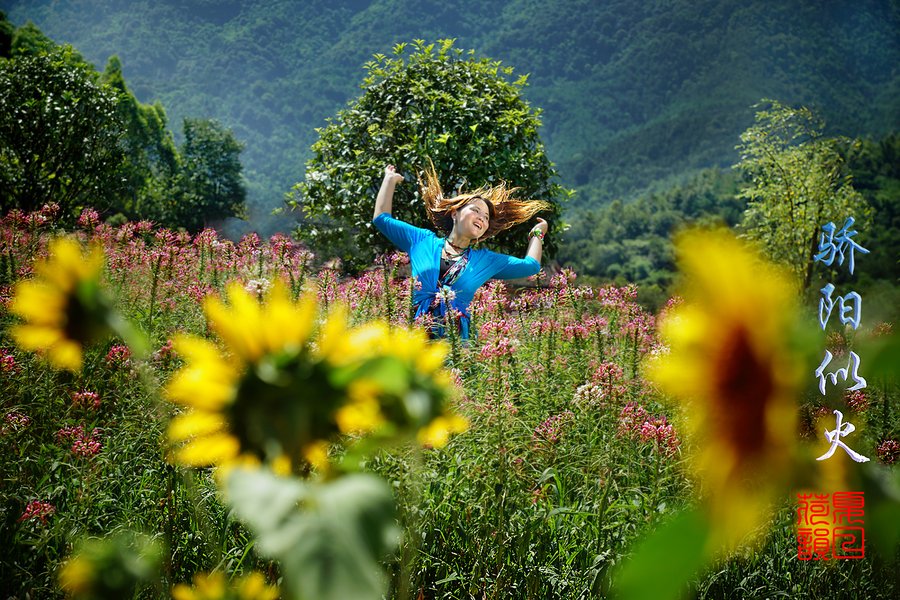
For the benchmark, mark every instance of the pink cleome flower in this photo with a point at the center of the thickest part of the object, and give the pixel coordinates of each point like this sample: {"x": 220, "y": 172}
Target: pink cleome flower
{"x": 118, "y": 356}
{"x": 8, "y": 364}
{"x": 857, "y": 400}
{"x": 86, "y": 399}
{"x": 83, "y": 444}
{"x": 37, "y": 509}
{"x": 89, "y": 218}
{"x": 631, "y": 418}
{"x": 17, "y": 419}
{"x": 551, "y": 429}
{"x": 498, "y": 348}
{"x": 660, "y": 431}
{"x": 165, "y": 354}
{"x": 888, "y": 451}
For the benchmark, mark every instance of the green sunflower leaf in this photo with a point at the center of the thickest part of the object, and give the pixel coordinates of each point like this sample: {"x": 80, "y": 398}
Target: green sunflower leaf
{"x": 329, "y": 536}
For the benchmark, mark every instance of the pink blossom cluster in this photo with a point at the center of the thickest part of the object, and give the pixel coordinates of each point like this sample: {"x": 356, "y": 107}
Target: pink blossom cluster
{"x": 551, "y": 429}
{"x": 83, "y": 444}
{"x": 617, "y": 299}
{"x": 165, "y": 354}
{"x": 543, "y": 327}
{"x": 538, "y": 277}
{"x": 207, "y": 238}
{"x": 631, "y": 418}
{"x": 497, "y": 328}
{"x": 640, "y": 327}
{"x": 392, "y": 259}
{"x": 118, "y": 356}
{"x": 671, "y": 304}
{"x": 563, "y": 278}
{"x": 660, "y": 431}
{"x": 858, "y": 400}
{"x": 199, "y": 291}
{"x": 498, "y": 348}
{"x": 610, "y": 377}
{"x": 17, "y": 420}
{"x": 888, "y": 451}
{"x": 37, "y": 509}
{"x": 490, "y": 299}
{"x": 86, "y": 399}
{"x": 89, "y": 218}
{"x": 596, "y": 323}
{"x": 636, "y": 423}
{"x": 576, "y": 331}
{"x": 8, "y": 363}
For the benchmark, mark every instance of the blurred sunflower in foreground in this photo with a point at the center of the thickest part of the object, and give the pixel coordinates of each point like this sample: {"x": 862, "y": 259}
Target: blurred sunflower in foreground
{"x": 213, "y": 586}
{"x": 62, "y": 307}
{"x": 731, "y": 361}
{"x": 283, "y": 386}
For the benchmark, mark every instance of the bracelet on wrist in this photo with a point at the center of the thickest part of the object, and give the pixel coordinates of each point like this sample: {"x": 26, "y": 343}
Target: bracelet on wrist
{"x": 536, "y": 233}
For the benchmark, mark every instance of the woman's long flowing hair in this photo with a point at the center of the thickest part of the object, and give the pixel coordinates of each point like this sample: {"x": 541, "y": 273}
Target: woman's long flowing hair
{"x": 506, "y": 210}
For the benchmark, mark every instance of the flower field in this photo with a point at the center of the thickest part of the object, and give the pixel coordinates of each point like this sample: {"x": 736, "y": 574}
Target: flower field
{"x": 189, "y": 417}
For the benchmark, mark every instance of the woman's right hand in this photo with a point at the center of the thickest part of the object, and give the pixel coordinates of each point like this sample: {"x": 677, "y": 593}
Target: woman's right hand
{"x": 391, "y": 175}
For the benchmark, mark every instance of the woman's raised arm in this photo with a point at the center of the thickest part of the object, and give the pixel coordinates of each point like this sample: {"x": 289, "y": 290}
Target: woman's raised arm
{"x": 535, "y": 242}
{"x": 386, "y": 193}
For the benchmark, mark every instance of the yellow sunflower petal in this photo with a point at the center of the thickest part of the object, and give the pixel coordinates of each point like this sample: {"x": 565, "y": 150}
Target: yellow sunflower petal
{"x": 39, "y": 303}
{"x": 77, "y": 576}
{"x": 430, "y": 358}
{"x": 316, "y": 453}
{"x": 286, "y": 325}
{"x": 333, "y": 334}
{"x": 66, "y": 354}
{"x": 208, "y": 451}
{"x": 208, "y": 381}
{"x": 238, "y": 325}
{"x": 193, "y": 424}
{"x": 183, "y": 591}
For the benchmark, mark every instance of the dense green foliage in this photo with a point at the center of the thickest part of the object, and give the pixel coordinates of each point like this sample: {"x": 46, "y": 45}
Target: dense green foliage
{"x": 436, "y": 104}
{"x": 210, "y": 186}
{"x": 875, "y": 169}
{"x": 59, "y": 135}
{"x": 151, "y": 159}
{"x": 79, "y": 138}
{"x": 631, "y": 242}
{"x": 796, "y": 184}
{"x": 632, "y": 92}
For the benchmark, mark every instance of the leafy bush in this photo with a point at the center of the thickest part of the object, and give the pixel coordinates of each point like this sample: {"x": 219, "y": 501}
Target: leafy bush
{"x": 460, "y": 112}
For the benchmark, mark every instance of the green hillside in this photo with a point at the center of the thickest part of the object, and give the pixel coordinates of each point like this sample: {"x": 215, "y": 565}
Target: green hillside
{"x": 632, "y": 92}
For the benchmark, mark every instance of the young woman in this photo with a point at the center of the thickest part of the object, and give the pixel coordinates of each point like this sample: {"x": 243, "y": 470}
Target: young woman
{"x": 447, "y": 267}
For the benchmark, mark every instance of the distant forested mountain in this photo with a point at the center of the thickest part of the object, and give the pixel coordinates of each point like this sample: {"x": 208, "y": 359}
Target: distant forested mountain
{"x": 633, "y": 92}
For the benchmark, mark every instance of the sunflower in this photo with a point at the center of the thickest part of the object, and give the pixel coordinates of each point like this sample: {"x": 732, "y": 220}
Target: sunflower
{"x": 213, "y": 586}
{"x": 283, "y": 388}
{"x": 62, "y": 307}
{"x": 731, "y": 362}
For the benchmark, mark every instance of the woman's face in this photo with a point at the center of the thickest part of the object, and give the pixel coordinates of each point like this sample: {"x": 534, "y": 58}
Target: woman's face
{"x": 472, "y": 220}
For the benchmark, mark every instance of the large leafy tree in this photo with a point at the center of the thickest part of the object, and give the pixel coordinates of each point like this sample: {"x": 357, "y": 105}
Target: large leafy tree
{"x": 150, "y": 156}
{"x": 211, "y": 185}
{"x": 59, "y": 133}
{"x": 796, "y": 182}
{"x": 438, "y": 103}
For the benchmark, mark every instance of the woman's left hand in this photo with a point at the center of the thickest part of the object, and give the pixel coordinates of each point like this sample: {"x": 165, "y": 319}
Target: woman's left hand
{"x": 542, "y": 225}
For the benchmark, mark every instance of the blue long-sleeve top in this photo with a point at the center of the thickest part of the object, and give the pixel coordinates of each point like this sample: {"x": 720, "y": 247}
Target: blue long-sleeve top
{"x": 424, "y": 249}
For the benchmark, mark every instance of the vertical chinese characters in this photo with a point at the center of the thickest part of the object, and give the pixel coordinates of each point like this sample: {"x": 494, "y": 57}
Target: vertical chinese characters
{"x": 830, "y": 525}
